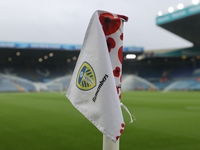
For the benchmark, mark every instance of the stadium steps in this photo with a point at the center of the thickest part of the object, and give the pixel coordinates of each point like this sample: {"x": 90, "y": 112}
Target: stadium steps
{"x": 32, "y": 75}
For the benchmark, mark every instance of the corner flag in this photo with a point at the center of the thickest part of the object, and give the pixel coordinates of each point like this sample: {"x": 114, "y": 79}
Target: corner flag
{"x": 95, "y": 87}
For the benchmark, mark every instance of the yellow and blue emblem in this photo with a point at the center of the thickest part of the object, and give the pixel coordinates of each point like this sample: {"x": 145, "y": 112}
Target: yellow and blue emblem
{"x": 86, "y": 79}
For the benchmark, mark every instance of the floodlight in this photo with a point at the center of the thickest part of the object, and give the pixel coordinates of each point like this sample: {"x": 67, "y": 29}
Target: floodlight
{"x": 195, "y": 2}
{"x": 74, "y": 58}
{"x": 40, "y": 59}
{"x": 140, "y": 57}
{"x": 184, "y": 56}
{"x": 9, "y": 58}
{"x": 68, "y": 60}
{"x": 180, "y": 6}
{"x": 170, "y": 9}
{"x": 50, "y": 54}
{"x": 18, "y": 53}
{"x": 160, "y": 13}
{"x": 130, "y": 56}
{"x": 45, "y": 57}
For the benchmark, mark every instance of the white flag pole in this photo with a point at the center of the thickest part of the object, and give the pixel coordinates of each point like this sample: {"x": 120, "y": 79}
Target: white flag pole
{"x": 110, "y": 145}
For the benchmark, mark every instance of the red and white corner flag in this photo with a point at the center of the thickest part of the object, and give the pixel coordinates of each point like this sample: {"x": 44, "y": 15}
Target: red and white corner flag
{"x": 95, "y": 87}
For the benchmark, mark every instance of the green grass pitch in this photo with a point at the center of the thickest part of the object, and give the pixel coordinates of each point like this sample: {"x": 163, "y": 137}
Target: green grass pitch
{"x": 48, "y": 121}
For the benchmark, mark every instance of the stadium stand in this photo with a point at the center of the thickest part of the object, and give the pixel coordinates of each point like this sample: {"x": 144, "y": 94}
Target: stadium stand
{"x": 181, "y": 65}
{"x": 48, "y": 67}
{"x": 12, "y": 83}
{"x": 155, "y": 72}
{"x": 39, "y": 67}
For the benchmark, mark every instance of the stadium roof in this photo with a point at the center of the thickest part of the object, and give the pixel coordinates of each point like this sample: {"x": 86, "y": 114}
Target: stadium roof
{"x": 184, "y": 23}
{"x": 39, "y": 46}
{"x": 32, "y": 52}
{"x": 183, "y": 52}
{"x": 16, "y": 45}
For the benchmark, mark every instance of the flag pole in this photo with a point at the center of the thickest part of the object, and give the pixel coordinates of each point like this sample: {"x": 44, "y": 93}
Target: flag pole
{"x": 110, "y": 145}
{"x": 96, "y": 79}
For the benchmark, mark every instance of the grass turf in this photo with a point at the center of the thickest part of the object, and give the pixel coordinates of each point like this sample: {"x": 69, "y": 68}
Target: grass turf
{"x": 48, "y": 121}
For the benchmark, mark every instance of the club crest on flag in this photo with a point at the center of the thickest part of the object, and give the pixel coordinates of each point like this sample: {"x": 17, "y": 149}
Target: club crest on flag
{"x": 86, "y": 79}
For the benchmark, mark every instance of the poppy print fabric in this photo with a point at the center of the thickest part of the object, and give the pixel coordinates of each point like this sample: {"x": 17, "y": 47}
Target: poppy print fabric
{"x": 95, "y": 87}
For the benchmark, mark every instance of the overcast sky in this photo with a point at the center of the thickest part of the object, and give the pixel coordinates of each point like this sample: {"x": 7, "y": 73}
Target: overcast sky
{"x": 66, "y": 21}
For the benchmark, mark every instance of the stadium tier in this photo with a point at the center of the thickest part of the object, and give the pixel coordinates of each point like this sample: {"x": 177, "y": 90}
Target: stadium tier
{"x": 48, "y": 69}
{"x": 51, "y": 69}
{"x": 184, "y": 23}
{"x": 39, "y": 67}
